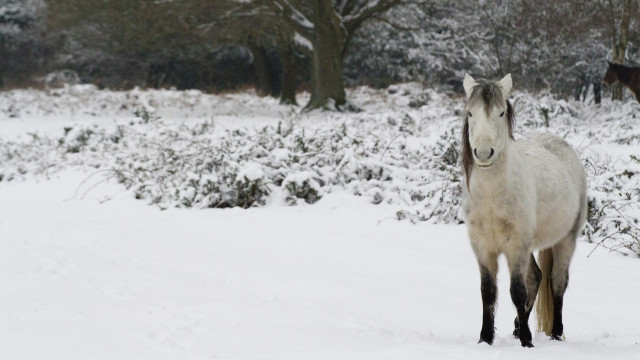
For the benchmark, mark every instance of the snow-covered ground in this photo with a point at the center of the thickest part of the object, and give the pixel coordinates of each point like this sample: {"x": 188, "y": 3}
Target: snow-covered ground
{"x": 90, "y": 272}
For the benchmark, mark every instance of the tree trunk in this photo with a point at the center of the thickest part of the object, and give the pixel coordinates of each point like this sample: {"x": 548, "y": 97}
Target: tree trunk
{"x": 264, "y": 72}
{"x": 620, "y": 47}
{"x": 289, "y": 68}
{"x": 597, "y": 92}
{"x": 289, "y": 76}
{"x": 327, "y": 86}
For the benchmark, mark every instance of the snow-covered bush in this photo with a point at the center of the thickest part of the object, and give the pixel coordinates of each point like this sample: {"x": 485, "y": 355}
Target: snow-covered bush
{"x": 302, "y": 186}
{"x": 76, "y": 139}
{"x": 392, "y": 153}
{"x": 614, "y": 203}
{"x": 60, "y": 78}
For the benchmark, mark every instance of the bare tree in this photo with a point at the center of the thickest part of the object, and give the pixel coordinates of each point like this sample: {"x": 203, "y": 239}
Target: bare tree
{"x": 145, "y": 35}
{"x": 327, "y": 28}
{"x": 255, "y": 26}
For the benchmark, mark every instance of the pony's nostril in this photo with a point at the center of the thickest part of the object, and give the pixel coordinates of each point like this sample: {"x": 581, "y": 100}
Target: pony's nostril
{"x": 491, "y": 153}
{"x": 475, "y": 151}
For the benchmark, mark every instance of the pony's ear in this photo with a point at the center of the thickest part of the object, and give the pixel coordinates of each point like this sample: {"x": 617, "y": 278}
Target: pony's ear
{"x": 505, "y": 85}
{"x": 468, "y": 83}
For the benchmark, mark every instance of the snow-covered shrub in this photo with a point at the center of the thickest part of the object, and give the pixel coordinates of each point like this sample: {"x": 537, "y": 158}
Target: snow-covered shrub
{"x": 60, "y": 78}
{"x": 191, "y": 172}
{"x": 250, "y": 186}
{"x": 301, "y": 185}
{"x": 439, "y": 195}
{"x": 614, "y": 204}
{"x": 392, "y": 153}
{"x": 76, "y": 139}
{"x": 145, "y": 113}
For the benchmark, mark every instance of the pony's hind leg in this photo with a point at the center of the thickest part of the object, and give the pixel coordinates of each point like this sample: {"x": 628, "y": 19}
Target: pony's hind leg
{"x": 533, "y": 277}
{"x": 562, "y": 253}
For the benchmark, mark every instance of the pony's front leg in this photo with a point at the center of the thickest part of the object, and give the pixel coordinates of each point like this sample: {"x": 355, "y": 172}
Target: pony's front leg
{"x": 518, "y": 264}
{"x": 488, "y": 263}
{"x": 533, "y": 278}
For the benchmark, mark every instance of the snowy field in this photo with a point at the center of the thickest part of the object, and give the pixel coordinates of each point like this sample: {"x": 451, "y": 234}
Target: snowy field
{"x": 350, "y": 247}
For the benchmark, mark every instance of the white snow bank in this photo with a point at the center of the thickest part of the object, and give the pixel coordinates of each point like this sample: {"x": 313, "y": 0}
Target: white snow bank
{"x": 89, "y": 279}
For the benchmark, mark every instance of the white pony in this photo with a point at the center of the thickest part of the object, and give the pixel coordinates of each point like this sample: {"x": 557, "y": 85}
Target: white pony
{"x": 520, "y": 196}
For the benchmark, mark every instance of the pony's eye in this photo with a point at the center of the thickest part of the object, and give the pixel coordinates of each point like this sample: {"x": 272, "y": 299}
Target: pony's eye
{"x": 502, "y": 114}
{"x": 470, "y": 115}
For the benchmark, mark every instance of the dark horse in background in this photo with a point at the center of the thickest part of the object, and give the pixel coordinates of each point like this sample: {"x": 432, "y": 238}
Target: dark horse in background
{"x": 626, "y": 75}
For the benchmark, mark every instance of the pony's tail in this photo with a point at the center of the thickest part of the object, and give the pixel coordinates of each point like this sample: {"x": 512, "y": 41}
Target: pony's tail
{"x": 544, "y": 305}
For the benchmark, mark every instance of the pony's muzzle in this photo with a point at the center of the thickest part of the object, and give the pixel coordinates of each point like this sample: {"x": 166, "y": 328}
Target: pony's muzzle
{"x": 484, "y": 156}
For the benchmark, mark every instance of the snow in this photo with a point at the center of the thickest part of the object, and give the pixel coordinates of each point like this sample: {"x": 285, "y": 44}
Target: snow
{"x": 88, "y": 279}
{"x": 302, "y": 41}
{"x": 91, "y": 272}
{"x": 293, "y": 13}
{"x": 281, "y": 154}
{"x": 299, "y": 178}
{"x": 251, "y": 171}
{"x": 360, "y": 10}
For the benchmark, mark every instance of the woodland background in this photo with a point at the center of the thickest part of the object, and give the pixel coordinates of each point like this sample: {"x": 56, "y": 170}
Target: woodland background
{"x": 284, "y": 46}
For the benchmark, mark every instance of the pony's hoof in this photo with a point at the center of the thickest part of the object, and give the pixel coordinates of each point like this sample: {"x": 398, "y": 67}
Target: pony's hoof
{"x": 527, "y": 344}
{"x": 556, "y": 337}
{"x": 524, "y": 334}
{"x": 487, "y": 336}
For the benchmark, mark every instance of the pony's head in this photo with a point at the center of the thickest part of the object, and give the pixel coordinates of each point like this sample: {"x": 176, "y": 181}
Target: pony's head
{"x": 488, "y": 122}
{"x": 612, "y": 73}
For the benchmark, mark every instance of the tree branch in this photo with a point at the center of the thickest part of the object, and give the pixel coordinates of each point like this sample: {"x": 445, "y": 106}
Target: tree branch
{"x": 394, "y": 25}
{"x": 293, "y": 17}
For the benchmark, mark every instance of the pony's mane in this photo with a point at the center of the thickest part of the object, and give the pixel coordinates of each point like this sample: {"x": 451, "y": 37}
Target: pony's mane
{"x": 490, "y": 94}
